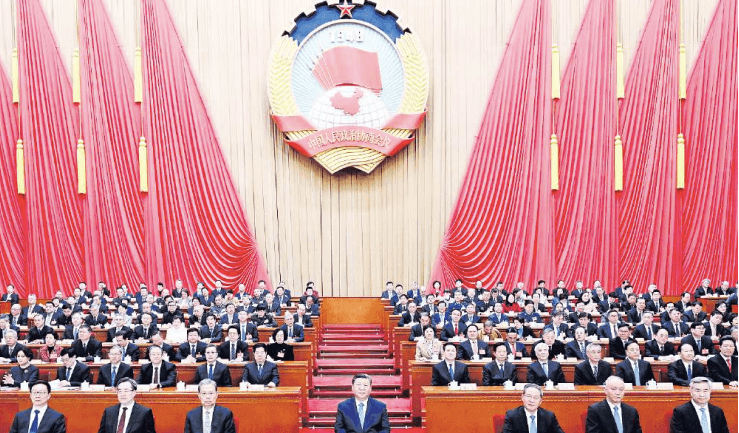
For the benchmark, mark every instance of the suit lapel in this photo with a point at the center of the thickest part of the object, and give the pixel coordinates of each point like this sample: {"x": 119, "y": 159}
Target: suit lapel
{"x": 133, "y": 417}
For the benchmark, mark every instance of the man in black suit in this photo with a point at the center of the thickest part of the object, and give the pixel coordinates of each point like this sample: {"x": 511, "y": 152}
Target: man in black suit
{"x": 659, "y": 347}
{"x": 499, "y": 370}
{"x": 10, "y": 296}
{"x": 293, "y": 333}
{"x": 233, "y": 349}
{"x": 702, "y": 345}
{"x": 211, "y": 332}
{"x": 681, "y": 371}
{"x": 17, "y": 318}
{"x": 695, "y": 313}
{"x": 543, "y": 369}
{"x": 647, "y": 329}
{"x": 170, "y": 354}
{"x": 247, "y": 330}
{"x": 146, "y": 329}
{"x": 119, "y": 324}
{"x": 129, "y": 349}
{"x": 633, "y": 369}
{"x": 556, "y": 347}
{"x": 46, "y": 419}
{"x": 593, "y": 371}
{"x": 530, "y": 416}
{"x": 676, "y": 328}
{"x": 221, "y": 419}
{"x": 577, "y": 348}
{"x": 212, "y": 369}
{"x": 513, "y": 345}
{"x": 417, "y": 330}
{"x": 11, "y": 348}
{"x": 95, "y": 319}
{"x": 127, "y": 416}
{"x": 611, "y": 415}
{"x": 193, "y": 350}
{"x": 301, "y": 318}
{"x": 449, "y": 369}
{"x": 695, "y": 415}
{"x": 85, "y": 347}
{"x": 617, "y": 346}
{"x": 72, "y": 373}
{"x": 158, "y": 373}
{"x": 472, "y": 348}
{"x": 609, "y": 329}
{"x": 723, "y": 367}
{"x": 361, "y": 413}
{"x": 261, "y": 371}
{"x": 112, "y": 373}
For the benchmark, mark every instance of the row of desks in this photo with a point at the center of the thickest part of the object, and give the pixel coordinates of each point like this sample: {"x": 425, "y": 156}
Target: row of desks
{"x": 292, "y": 375}
{"x": 275, "y": 410}
{"x": 478, "y": 410}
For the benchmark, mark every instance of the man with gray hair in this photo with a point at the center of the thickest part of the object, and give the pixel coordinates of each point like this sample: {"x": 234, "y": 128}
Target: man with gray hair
{"x": 11, "y": 348}
{"x": 209, "y": 417}
{"x": 698, "y": 415}
{"x": 530, "y": 417}
{"x": 127, "y": 416}
{"x": 611, "y": 415}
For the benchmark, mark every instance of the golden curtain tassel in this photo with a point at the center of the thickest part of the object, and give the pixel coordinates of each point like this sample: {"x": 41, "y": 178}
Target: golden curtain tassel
{"x": 680, "y": 161}
{"x": 81, "y": 168}
{"x": 76, "y": 83}
{"x": 683, "y": 89}
{"x": 14, "y": 76}
{"x": 618, "y": 158}
{"x": 138, "y": 78}
{"x": 554, "y": 160}
{"x": 620, "y": 89}
{"x": 143, "y": 166}
{"x": 20, "y": 167}
{"x": 555, "y": 72}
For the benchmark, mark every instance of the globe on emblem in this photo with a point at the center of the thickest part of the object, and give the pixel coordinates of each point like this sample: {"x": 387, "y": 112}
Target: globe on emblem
{"x": 348, "y": 105}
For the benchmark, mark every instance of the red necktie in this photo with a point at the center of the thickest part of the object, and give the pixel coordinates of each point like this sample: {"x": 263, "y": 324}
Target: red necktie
{"x": 122, "y": 421}
{"x": 455, "y": 329}
{"x": 728, "y": 362}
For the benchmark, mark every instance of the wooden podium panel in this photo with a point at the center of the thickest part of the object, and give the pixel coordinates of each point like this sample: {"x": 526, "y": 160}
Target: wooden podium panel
{"x": 268, "y": 411}
{"x": 450, "y": 410}
{"x": 352, "y": 310}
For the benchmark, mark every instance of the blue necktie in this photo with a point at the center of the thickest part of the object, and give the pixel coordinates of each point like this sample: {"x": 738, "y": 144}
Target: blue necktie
{"x": 361, "y": 415}
{"x": 34, "y": 424}
{"x": 704, "y": 421}
{"x": 545, "y": 367}
{"x": 210, "y": 372}
{"x": 690, "y": 372}
{"x": 532, "y": 427}
{"x": 451, "y": 371}
{"x": 113, "y": 371}
{"x": 637, "y": 379}
{"x": 617, "y": 417}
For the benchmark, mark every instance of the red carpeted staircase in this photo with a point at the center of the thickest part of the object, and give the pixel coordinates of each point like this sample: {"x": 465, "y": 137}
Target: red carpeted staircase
{"x": 344, "y": 350}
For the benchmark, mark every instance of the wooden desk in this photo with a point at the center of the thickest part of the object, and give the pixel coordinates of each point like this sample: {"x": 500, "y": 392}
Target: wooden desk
{"x": 709, "y": 302}
{"x": 258, "y": 412}
{"x": 292, "y": 374}
{"x": 448, "y": 410}
{"x": 421, "y": 372}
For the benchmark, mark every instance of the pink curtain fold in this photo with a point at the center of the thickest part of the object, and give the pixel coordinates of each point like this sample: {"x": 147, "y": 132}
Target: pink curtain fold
{"x": 648, "y": 117}
{"x": 708, "y": 204}
{"x": 584, "y": 223}
{"x": 12, "y": 205}
{"x": 196, "y": 228}
{"x": 111, "y": 126}
{"x": 50, "y": 129}
{"x": 500, "y": 227}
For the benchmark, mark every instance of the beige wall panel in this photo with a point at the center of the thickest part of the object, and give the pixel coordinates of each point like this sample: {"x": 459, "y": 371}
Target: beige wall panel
{"x": 349, "y": 232}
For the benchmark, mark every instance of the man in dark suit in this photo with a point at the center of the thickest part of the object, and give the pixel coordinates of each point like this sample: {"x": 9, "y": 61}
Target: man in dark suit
{"x": 530, "y": 416}
{"x": 293, "y": 332}
{"x": 211, "y": 332}
{"x": 85, "y": 347}
{"x": 543, "y": 369}
{"x": 647, "y": 329}
{"x": 221, "y": 419}
{"x": 499, "y": 370}
{"x": 129, "y": 349}
{"x": 46, "y": 419}
{"x": 456, "y": 328}
{"x": 702, "y": 345}
{"x": 659, "y": 346}
{"x": 472, "y": 348}
{"x": 723, "y": 367}
{"x": 695, "y": 313}
{"x": 10, "y": 296}
{"x": 233, "y": 349}
{"x": 212, "y": 369}
{"x": 676, "y": 328}
{"x": 37, "y": 333}
{"x": 558, "y": 326}
{"x": 72, "y": 373}
{"x": 112, "y": 373}
{"x": 11, "y": 348}
{"x": 417, "y": 330}
{"x": 449, "y": 369}
{"x": 632, "y": 369}
{"x": 681, "y": 371}
{"x": 301, "y": 318}
{"x": 247, "y": 331}
{"x": 617, "y": 346}
{"x": 95, "y": 319}
{"x": 593, "y": 371}
{"x": 634, "y": 315}
{"x": 695, "y": 415}
{"x": 119, "y": 324}
{"x": 609, "y": 329}
{"x": 513, "y": 346}
{"x": 158, "y": 373}
{"x": 146, "y": 329}
{"x": 577, "y": 348}
{"x": 556, "y": 347}
{"x": 261, "y": 371}
{"x": 127, "y": 416}
{"x": 361, "y": 413}
{"x": 611, "y": 415}
{"x": 193, "y": 350}
{"x": 170, "y": 354}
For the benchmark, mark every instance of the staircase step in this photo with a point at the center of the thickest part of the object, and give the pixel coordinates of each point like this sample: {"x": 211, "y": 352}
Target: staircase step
{"x": 351, "y": 348}
{"x": 330, "y": 355}
{"x": 351, "y": 326}
{"x": 328, "y": 421}
{"x": 335, "y": 382}
{"x": 349, "y": 337}
{"x": 337, "y": 393}
{"x": 351, "y": 362}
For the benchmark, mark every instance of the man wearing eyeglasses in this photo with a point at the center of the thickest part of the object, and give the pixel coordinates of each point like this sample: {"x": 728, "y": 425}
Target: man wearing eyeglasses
{"x": 209, "y": 418}
{"x": 39, "y": 418}
{"x": 127, "y": 416}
